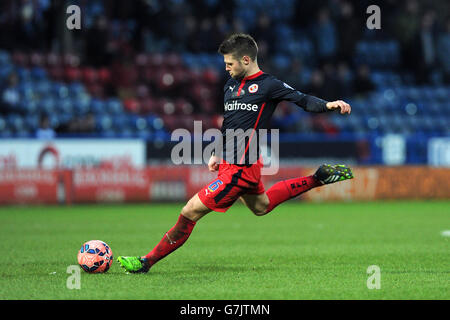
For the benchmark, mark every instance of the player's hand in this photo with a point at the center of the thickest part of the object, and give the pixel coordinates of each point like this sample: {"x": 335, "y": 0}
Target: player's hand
{"x": 213, "y": 164}
{"x": 339, "y": 104}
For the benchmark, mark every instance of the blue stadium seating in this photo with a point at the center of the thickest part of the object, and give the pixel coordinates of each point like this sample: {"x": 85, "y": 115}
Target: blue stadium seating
{"x": 394, "y": 107}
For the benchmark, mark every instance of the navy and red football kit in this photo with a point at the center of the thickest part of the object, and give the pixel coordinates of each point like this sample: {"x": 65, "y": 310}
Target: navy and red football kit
{"x": 248, "y": 107}
{"x": 249, "y": 104}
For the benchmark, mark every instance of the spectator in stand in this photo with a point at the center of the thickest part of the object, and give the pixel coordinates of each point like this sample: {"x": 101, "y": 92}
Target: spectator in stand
{"x": 317, "y": 84}
{"x": 331, "y": 84}
{"x": 443, "y": 51}
{"x": 408, "y": 22}
{"x": 362, "y": 82}
{"x": 406, "y": 26}
{"x": 325, "y": 36}
{"x": 265, "y": 33}
{"x": 10, "y": 95}
{"x": 305, "y": 12}
{"x": 206, "y": 35}
{"x": 293, "y": 73}
{"x": 344, "y": 80}
{"x": 424, "y": 50}
{"x": 97, "y": 44}
{"x": 83, "y": 124}
{"x": 349, "y": 31}
{"x": 322, "y": 82}
{"x": 45, "y": 131}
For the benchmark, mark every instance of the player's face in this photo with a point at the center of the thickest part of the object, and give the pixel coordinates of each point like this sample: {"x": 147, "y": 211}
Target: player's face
{"x": 234, "y": 67}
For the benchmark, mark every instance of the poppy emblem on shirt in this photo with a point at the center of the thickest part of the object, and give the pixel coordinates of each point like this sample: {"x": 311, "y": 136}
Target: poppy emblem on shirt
{"x": 253, "y": 88}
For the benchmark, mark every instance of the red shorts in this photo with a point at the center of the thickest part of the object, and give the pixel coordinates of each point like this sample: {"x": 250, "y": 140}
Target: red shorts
{"x": 232, "y": 182}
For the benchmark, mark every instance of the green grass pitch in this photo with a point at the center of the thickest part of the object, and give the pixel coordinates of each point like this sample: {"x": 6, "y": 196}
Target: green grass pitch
{"x": 299, "y": 251}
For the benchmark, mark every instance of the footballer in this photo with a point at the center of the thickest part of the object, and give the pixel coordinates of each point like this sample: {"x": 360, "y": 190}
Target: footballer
{"x": 250, "y": 98}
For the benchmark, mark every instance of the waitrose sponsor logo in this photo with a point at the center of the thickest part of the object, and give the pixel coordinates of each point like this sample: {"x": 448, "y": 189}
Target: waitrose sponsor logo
{"x": 240, "y": 106}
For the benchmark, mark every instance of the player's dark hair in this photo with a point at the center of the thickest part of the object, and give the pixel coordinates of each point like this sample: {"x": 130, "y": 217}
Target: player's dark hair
{"x": 239, "y": 45}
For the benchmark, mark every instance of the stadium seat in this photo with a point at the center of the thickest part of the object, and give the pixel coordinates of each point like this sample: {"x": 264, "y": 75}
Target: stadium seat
{"x": 140, "y": 124}
{"x": 114, "y": 106}
{"x": 210, "y": 76}
{"x": 173, "y": 60}
{"x": 141, "y": 60}
{"x": 5, "y": 57}
{"x": 81, "y": 105}
{"x": 56, "y": 73}
{"x": 28, "y": 106}
{"x": 142, "y": 91}
{"x": 182, "y": 106}
{"x": 71, "y": 60}
{"x": 98, "y": 106}
{"x": 119, "y": 122}
{"x": 72, "y": 74}
{"x": 15, "y": 122}
{"x": 20, "y": 58}
{"x": 282, "y": 61}
{"x": 89, "y": 75}
{"x": 168, "y": 107}
{"x": 37, "y": 59}
{"x": 148, "y": 105}
{"x": 103, "y": 123}
{"x": 24, "y": 74}
{"x": 126, "y": 133}
{"x": 26, "y": 90}
{"x": 132, "y": 105}
{"x": 23, "y": 133}
{"x": 96, "y": 90}
{"x": 108, "y": 133}
{"x": 6, "y": 133}
{"x": 2, "y": 124}
{"x": 38, "y": 73}
{"x": 47, "y": 105}
{"x": 55, "y": 120}
{"x": 64, "y": 106}
{"x": 76, "y": 89}
{"x": 60, "y": 90}
{"x": 104, "y": 75}
{"x": 156, "y": 123}
{"x": 53, "y": 60}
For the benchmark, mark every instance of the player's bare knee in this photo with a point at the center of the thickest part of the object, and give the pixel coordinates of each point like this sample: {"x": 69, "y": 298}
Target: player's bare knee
{"x": 262, "y": 208}
{"x": 259, "y": 211}
{"x": 188, "y": 210}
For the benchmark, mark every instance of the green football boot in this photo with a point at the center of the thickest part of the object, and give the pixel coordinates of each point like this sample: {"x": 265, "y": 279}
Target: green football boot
{"x": 327, "y": 174}
{"x": 134, "y": 264}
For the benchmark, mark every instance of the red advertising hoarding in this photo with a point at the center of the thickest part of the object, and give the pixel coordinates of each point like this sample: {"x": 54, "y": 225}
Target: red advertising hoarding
{"x": 34, "y": 186}
{"x": 179, "y": 183}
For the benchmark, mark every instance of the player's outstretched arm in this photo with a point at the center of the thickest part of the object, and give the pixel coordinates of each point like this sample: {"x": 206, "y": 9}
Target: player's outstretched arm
{"x": 280, "y": 91}
{"x": 339, "y": 104}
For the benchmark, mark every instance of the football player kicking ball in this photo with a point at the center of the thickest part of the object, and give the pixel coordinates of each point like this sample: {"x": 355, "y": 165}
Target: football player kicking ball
{"x": 250, "y": 98}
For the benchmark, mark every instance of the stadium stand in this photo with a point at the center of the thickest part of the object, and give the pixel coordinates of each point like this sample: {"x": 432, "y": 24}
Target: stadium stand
{"x": 122, "y": 77}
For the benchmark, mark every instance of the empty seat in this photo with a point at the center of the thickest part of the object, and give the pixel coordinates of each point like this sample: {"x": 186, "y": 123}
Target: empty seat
{"x": 114, "y": 106}
{"x": 98, "y": 106}
{"x": 38, "y": 73}
{"x": 47, "y": 105}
